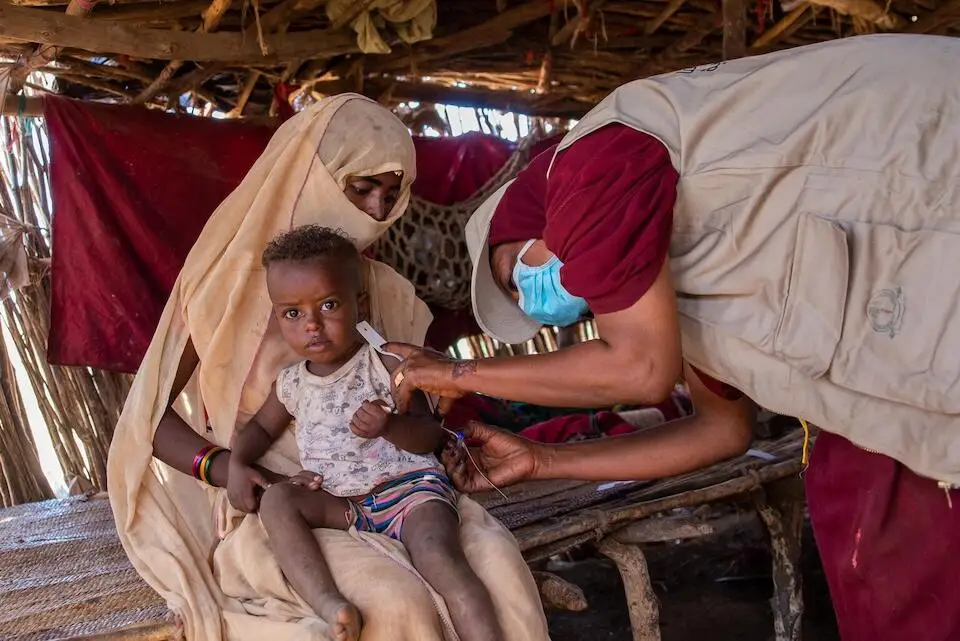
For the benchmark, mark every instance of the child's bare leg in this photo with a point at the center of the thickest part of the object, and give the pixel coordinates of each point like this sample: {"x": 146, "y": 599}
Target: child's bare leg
{"x": 431, "y": 535}
{"x": 289, "y": 513}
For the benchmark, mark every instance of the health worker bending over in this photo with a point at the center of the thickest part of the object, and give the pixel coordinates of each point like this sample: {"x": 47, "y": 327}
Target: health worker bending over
{"x": 787, "y": 225}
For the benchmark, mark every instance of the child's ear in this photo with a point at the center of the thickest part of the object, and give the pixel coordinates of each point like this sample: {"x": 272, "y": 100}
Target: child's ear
{"x": 363, "y": 307}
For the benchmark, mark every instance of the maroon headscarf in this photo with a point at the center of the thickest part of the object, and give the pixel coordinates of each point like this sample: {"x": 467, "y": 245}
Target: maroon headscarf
{"x": 521, "y": 213}
{"x": 606, "y": 212}
{"x": 610, "y": 200}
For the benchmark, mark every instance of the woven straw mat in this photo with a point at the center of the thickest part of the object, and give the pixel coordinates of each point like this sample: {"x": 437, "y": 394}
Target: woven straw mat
{"x": 64, "y": 574}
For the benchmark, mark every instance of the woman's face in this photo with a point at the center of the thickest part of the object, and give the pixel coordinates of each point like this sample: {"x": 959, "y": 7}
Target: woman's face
{"x": 374, "y": 195}
{"x": 503, "y": 258}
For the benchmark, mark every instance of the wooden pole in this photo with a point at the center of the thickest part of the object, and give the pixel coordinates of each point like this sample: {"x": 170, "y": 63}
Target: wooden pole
{"x": 734, "y": 29}
{"x": 28, "y": 106}
{"x": 672, "y": 7}
{"x": 35, "y": 25}
{"x": 800, "y": 15}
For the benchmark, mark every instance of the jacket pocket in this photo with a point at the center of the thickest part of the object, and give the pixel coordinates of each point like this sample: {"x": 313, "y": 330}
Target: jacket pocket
{"x": 901, "y": 334}
{"x": 809, "y": 332}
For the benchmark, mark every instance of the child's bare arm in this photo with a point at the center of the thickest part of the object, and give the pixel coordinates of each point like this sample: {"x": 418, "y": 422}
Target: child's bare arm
{"x": 417, "y": 431}
{"x": 264, "y": 428}
{"x": 250, "y": 443}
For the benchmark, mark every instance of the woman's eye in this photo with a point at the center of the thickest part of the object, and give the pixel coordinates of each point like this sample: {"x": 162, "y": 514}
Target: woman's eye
{"x": 291, "y": 314}
{"x": 361, "y": 191}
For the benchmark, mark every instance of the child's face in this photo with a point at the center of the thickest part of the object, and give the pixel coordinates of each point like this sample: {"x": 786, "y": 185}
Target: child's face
{"x": 318, "y": 306}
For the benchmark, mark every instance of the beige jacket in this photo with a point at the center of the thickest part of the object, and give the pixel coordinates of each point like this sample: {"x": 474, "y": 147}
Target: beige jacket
{"x": 816, "y": 243}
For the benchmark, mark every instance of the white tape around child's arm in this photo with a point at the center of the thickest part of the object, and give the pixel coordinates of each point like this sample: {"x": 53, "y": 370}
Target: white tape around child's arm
{"x": 374, "y": 338}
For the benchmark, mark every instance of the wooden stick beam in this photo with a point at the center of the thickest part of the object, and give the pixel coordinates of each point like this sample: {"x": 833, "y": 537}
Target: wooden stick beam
{"x": 672, "y": 7}
{"x": 29, "y": 106}
{"x": 245, "y": 94}
{"x": 45, "y": 53}
{"x": 490, "y": 33}
{"x": 642, "y": 604}
{"x": 945, "y": 14}
{"x": 350, "y": 14}
{"x": 734, "y": 29}
{"x": 34, "y": 25}
{"x": 788, "y": 23}
{"x": 211, "y": 19}
{"x": 784, "y": 522}
{"x": 533, "y": 536}
{"x": 284, "y": 13}
{"x": 150, "y": 12}
{"x": 577, "y": 25}
{"x": 866, "y": 10}
{"x": 64, "y": 3}
{"x": 517, "y": 101}
{"x": 694, "y": 36}
{"x": 93, "y": 83}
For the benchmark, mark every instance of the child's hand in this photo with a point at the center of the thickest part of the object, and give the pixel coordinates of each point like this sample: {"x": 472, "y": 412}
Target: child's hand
{"x": 242, "y": 487}
{"x": 371, "y": 419}
{"x": 307, "y": 479}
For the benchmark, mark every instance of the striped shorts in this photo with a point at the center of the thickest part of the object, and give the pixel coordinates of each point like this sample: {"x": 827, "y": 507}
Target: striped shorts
{"x": 383, "y": 511}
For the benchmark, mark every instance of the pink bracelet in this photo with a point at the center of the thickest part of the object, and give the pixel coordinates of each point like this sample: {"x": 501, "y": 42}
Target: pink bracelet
{"x": 198, "y": 459}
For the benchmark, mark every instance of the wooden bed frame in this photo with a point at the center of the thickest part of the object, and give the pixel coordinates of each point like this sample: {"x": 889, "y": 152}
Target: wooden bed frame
{"x": 64, "y": 575}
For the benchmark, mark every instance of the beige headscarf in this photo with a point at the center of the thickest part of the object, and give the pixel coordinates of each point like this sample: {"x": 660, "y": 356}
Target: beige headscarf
{"x": 181, "y": 536}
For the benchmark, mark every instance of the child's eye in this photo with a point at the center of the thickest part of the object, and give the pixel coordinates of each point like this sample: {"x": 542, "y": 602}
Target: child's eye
{"x": 291, "y": 314}
{"x": 329, "y": 306}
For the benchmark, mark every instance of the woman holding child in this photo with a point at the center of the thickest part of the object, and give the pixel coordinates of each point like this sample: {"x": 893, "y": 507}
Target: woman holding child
{"x": 788, "y": 224}
{"x": 344, "y": 164}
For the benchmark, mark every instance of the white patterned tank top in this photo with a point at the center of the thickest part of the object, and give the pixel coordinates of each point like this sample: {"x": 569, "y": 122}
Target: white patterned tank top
{"x": 323, "y": 406}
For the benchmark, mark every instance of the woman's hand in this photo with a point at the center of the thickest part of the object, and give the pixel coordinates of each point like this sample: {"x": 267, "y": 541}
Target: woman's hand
{"x": 504, "y": 458}
{"x": 242, "y": 484}
{"x": 426, "y": 370}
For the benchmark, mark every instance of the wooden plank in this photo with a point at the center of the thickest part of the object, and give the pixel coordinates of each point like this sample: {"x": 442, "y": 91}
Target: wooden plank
{"x": 34, "y": 25}
{"x": 597, "y": 521}
{"x": 734, "y": 29}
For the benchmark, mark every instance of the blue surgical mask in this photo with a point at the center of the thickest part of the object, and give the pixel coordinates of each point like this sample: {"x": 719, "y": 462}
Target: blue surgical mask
{"x": 542, "y": 296}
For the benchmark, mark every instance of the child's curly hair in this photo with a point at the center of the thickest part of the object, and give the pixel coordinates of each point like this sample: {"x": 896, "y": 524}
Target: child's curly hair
{"x": 311, "y": 242}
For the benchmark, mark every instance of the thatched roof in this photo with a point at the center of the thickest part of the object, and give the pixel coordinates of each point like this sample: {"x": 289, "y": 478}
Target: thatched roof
{"x": 545, "y": 57}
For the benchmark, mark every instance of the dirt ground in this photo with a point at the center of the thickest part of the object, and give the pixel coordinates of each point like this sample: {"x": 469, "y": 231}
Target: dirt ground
{"x": 715, "y": 589}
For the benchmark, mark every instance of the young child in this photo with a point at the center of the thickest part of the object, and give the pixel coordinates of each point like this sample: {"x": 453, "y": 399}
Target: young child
{"x": 377, "y": 469}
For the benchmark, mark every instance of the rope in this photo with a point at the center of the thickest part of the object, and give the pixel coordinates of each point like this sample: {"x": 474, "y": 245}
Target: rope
{"x": 805, "y": 454}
